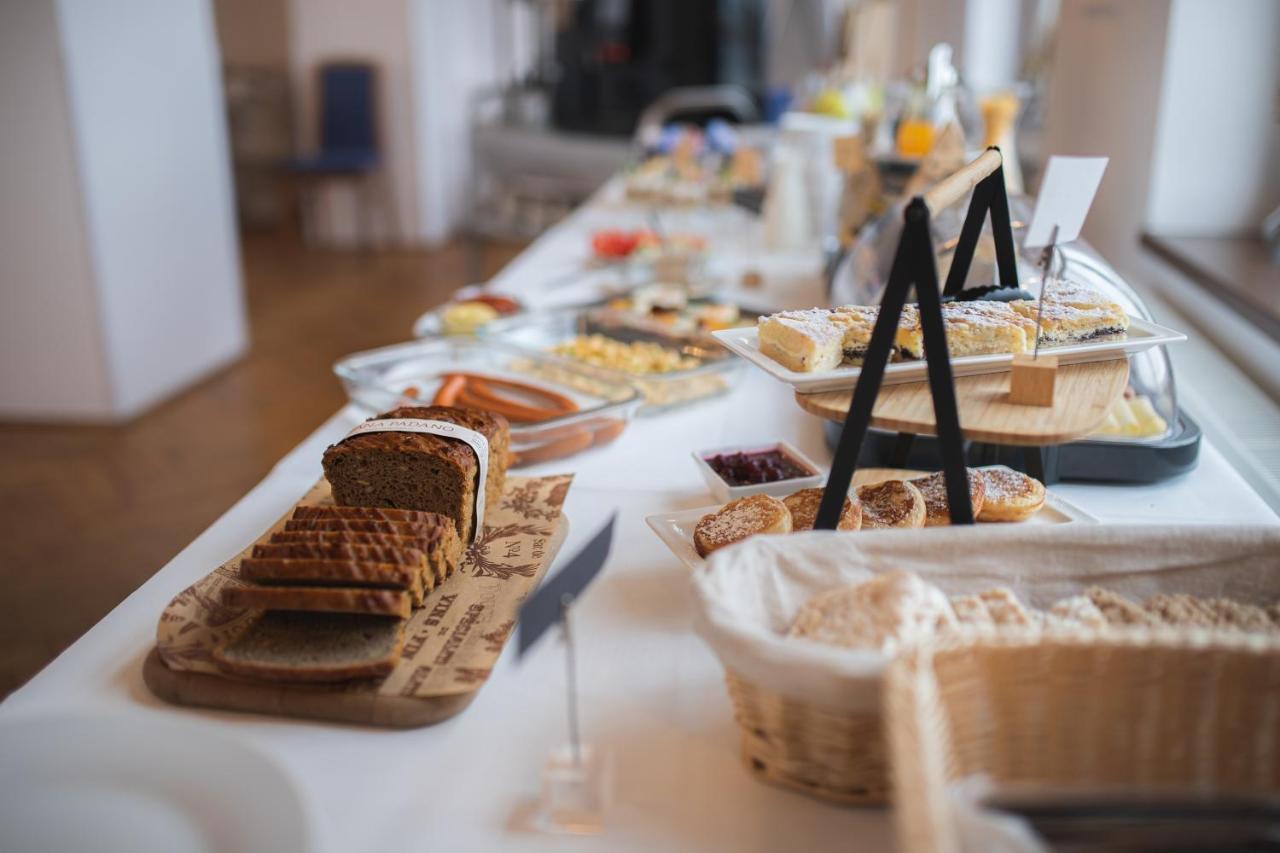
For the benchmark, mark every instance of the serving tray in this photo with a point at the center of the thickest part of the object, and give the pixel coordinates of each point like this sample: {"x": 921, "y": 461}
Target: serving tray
{"x": 1142, "y": 335}
{"x": 451, "y": 643}
{"x": 675, "y": 529}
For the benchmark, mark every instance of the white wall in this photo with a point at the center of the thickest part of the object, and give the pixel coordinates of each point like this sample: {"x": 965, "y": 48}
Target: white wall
{"x": 376, "y": 31}
{"x": 118, "y": 255}
{"x": 1103, "y": 100}
{"x": 1216, "y": 166}
{"x": 145, "y": 88}
{"x": 456, "y": 55}
{"x": 51, "y": 352}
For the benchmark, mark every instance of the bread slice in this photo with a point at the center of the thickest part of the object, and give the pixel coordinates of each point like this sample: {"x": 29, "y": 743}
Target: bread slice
{"x": 409, "y": 470}
{"x": 299, "y": 647}
{"x": 739, "y": 519}
{"x": 1010, "y": 495}
{"x": 933, "y": 489}
{"x": 893, "y": 503}
{"x": 280, "y": 564}
{"x": 324, "y": 599}
{"x": 371, "y": 513}
{"x": 803, "y": 506}
{"x": 450, "y": 545}
{"x": 442, "y": 548}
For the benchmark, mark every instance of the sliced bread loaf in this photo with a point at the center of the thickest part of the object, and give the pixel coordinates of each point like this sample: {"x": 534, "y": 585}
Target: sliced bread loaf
{"x": 372, "y": 513}
{"x": 410, "y": 470}
{"x": 277, "y": 564}
{"x": 441, "y": 548}
{"x": 450, "y": 544}
{"x": 291, "y": 646}
{"x": 322, "y": 599}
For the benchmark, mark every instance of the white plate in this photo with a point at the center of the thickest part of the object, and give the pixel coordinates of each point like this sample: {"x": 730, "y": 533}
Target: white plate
{"x": 140, "y": 784}
{"x": 676, "y": 529}
{"x": 1143, "y": 335}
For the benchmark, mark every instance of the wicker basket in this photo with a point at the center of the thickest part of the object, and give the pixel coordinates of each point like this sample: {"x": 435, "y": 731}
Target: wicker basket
{"x": 810, "y": 716}
{"x": 1113, "y": 712}
{"x": 827, "y": 752}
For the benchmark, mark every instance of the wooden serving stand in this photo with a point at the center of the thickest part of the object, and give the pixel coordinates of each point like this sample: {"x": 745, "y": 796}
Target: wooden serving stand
{"x": 1082, "y": 396}
{"x": 956, "y": 409}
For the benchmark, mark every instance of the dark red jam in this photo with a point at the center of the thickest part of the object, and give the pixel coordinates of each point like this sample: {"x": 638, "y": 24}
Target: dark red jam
{"x": 749, "y": 469}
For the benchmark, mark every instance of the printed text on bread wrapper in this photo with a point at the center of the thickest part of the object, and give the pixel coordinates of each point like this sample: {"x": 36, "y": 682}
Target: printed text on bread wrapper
{"x": 477, "y": 442}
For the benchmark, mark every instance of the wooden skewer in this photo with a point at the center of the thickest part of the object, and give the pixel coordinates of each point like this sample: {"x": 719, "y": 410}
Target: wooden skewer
{"x": 953, "y": 187}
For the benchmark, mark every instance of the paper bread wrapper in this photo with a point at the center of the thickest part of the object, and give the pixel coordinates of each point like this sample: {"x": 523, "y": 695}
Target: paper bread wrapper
{"x": 451, "y": 643}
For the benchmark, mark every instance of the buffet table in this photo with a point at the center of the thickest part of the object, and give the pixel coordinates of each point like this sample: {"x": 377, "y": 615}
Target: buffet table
{"x": 653, "y": 696}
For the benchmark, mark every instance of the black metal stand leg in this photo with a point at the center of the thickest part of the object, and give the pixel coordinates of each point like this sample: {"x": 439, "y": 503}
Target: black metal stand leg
{"x": 901, "y": 450}
{"x": 1033, "y": 462}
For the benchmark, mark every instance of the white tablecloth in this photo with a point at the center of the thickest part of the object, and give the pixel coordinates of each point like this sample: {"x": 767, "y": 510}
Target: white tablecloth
{"x": 653, "y": 697}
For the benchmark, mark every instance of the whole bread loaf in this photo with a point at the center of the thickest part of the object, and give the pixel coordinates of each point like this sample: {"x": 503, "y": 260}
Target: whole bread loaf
{"x": 419, "y": 471}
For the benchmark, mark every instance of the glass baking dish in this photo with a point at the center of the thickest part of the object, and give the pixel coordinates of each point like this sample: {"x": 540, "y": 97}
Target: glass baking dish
{"x": 410, "y": 374}
{"x": 541, "y": 332}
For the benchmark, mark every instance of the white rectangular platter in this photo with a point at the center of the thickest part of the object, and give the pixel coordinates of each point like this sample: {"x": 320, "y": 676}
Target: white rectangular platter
{"x": 675, "y": 529}
{"x": 1143, "y": 335}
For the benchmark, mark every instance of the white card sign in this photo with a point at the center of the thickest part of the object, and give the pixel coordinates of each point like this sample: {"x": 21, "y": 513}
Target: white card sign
{"x": 1066, "y": 193}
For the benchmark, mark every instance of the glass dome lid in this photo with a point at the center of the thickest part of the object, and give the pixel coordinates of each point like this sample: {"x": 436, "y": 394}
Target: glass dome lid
{"x": 1147, "y": 414}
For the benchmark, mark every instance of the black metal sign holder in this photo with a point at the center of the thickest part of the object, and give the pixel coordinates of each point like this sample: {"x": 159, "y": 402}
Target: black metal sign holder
{"x": 914, "y": 264}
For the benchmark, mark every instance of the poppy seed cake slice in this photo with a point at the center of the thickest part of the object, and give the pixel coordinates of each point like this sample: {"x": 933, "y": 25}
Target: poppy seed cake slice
{"x": 421, "y": 471}
{"x": 292, "y": 646}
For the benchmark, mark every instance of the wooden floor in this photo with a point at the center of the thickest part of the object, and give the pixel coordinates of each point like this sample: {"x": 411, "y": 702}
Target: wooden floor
{"x": 89, "y": 513}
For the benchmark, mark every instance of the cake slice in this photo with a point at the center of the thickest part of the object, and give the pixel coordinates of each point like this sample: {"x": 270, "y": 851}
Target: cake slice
{"x": 300, "y": 647}
{"x": 802, "y": 341}
{"x": 321, "y": 599}
{"x": 419, "y": 471}
{"x": 986, "y": 328}
{"x": 1068, "y": 324}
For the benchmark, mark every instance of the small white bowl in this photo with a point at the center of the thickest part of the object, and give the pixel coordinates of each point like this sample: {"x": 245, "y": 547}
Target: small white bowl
{"x": 781, "y": 488}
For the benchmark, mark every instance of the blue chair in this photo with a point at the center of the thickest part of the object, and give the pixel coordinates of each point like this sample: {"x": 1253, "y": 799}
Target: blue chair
{"x": 349, "y": 150}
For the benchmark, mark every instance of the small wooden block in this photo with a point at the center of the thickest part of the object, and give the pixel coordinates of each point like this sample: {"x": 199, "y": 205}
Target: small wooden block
{"x": 1031, "y": 380}
{"x": 850, "y": 153}
{"x": 744, "y": 168}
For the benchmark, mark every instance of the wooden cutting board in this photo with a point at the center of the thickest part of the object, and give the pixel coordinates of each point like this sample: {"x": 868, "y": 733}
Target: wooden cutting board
{"x": 451, "y": 643}
{"x": 1083, "y": 395}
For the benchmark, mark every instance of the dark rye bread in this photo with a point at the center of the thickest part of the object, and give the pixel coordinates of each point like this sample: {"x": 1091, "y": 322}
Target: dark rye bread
{"x": 447, "y": 537}
{"x": 323, "y": 599}
{"x": 371, "y": 513}
{"x": 301, "y": 647}
{"x": 409, "y": 470}
{"x": 290, "y": 564}
{"x": 436, "y": 546}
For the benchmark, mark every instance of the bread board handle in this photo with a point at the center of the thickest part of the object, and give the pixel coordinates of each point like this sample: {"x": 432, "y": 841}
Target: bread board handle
{"x": 954, "y": 187}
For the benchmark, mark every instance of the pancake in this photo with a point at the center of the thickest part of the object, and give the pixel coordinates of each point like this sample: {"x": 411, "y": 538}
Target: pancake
{"x": 739, "y": 519}
{"x": 893, "y": 503}
{"x": 1010, "y": 495}
{"x": 804, "y": 510}
{"x": 934, "y": 490}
